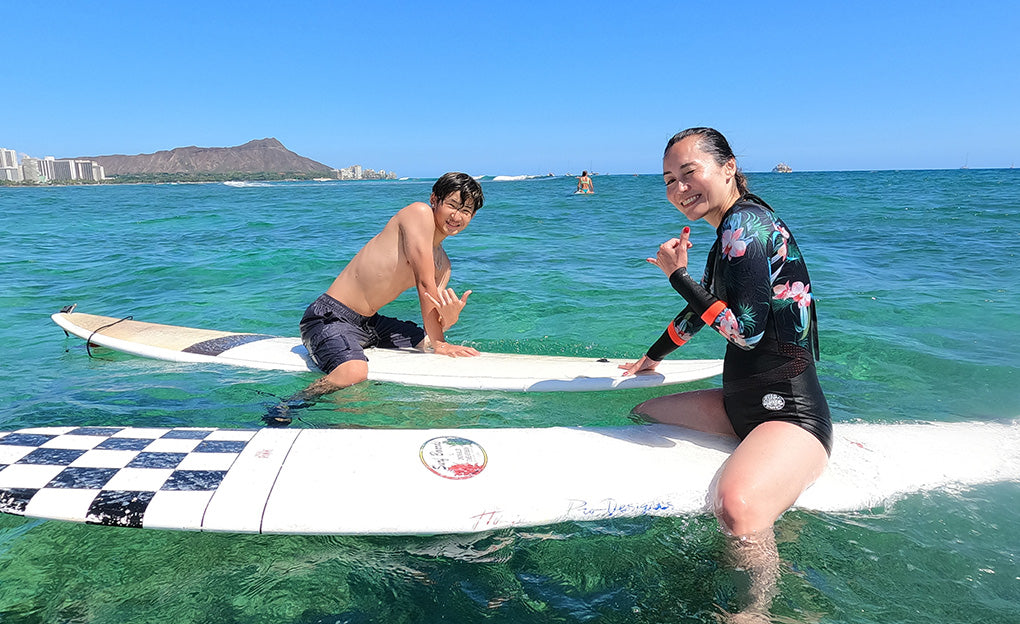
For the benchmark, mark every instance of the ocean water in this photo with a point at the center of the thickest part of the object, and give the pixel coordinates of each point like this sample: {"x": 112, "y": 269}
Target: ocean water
{"x": 916, "y": 275}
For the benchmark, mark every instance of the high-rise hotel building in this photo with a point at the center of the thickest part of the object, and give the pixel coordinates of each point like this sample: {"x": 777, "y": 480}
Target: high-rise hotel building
{"x": 49, "y": 168}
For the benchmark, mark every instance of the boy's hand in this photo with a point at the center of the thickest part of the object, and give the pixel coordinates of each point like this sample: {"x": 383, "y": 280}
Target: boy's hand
{"x": 452, "y": 350}
{"x": 449, "y": 306}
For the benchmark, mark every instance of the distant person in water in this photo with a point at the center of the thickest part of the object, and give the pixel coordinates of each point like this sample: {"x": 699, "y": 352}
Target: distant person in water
{"x": 584, "y": 184}
{"x": 408, "y": 252}
{"x": 756, "y": 293}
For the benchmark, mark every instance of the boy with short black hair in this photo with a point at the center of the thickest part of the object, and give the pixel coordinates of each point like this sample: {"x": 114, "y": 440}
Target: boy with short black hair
{"x": 408, "y": 252}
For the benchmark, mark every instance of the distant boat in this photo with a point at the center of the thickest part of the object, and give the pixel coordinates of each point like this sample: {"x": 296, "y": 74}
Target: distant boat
{"x": 782, "y": 168}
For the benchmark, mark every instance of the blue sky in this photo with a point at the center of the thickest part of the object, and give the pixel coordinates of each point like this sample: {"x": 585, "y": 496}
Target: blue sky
{"x": 517, "y": 87}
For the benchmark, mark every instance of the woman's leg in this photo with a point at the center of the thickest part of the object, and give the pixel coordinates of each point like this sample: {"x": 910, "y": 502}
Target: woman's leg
{"x": 701, "y": 410}
{"x": 765, "y": 475}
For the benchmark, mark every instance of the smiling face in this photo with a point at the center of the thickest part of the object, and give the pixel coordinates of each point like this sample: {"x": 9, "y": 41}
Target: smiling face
{"x": 452, "y": 214}
{"x": 696, "y": 184}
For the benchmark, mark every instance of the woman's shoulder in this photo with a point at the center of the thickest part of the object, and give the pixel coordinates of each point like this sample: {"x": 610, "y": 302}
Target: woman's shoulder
{"x": 752, "y": 222}
{"x": 753, "y": 203}
{"x": 746, "y": 209}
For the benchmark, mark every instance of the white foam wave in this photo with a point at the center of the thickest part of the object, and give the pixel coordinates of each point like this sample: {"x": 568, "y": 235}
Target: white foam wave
{"x": 514, "y": 178}
{"x": 873, "y": 465}
{"x": 241, "y": 184}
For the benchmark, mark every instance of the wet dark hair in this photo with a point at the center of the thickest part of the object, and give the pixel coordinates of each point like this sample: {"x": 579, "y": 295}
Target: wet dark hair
{"x": 712, "y": 142}
{"x": 459, "y": 183}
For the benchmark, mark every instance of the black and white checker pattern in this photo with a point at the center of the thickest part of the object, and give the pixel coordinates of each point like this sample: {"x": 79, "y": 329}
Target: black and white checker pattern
{"x": 115, "y": 475}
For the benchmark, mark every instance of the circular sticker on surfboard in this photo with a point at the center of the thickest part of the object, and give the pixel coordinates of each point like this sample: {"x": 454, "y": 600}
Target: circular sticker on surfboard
{"x": 451, "y": 457}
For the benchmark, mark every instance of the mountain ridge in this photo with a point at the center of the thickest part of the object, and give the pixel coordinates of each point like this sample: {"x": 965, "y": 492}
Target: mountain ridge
{"x": 257, "y": 156}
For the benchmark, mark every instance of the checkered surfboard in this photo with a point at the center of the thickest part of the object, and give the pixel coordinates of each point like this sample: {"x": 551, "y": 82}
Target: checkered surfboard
{"x": 116, "y": 475}
{"x": 427, "y": 481}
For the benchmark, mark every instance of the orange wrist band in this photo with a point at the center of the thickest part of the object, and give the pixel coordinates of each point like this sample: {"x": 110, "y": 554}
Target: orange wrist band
{"x": 674, "y": 335}
{"x": 713, "y": 311}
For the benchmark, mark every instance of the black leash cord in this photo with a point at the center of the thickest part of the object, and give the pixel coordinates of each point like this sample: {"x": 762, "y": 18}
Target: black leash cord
{"x": 88, "y": 343}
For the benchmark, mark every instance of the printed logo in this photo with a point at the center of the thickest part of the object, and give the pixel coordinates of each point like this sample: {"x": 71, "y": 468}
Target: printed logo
{"x": 451, "y": 457}
{"x": 773, "y": 402}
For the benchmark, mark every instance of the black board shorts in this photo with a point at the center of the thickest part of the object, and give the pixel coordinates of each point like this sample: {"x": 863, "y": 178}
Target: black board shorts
{"x": 334, "y": 333}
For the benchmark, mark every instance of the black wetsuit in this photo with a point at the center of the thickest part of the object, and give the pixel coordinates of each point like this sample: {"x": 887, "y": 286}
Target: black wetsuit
{"x": 756, "y": 293}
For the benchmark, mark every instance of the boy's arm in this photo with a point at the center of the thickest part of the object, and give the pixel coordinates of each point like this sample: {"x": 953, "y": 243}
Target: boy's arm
{"x": 416, "y": 233}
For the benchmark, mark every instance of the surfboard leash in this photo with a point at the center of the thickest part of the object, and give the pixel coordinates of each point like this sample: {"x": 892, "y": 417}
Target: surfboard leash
{"x": 284, "y": 416}
{"x": 88, "y": 343}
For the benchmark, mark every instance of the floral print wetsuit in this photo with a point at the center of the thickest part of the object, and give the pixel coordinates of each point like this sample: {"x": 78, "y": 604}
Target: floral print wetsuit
{"x": 756, "y": 292}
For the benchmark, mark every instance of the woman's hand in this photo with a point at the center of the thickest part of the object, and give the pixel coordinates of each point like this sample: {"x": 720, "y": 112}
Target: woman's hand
{"x": 672, "y": 254}
{"x": 644, "y": 364}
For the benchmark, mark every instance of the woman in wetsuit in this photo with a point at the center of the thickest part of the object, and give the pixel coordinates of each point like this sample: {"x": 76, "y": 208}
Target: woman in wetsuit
{"x": 756, "y": 293}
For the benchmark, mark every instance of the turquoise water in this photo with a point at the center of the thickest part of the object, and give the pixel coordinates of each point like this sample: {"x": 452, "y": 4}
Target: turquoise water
{"x": 915, "y": 274}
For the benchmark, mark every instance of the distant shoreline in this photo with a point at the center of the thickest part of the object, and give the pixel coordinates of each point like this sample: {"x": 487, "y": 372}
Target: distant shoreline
{"x": 161, "y": 179}
{"x": 184, "y": 178}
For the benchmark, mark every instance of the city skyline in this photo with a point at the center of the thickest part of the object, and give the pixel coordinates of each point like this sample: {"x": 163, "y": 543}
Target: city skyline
{"x": 527, "y": 89}
{"x": 33, "y": 170}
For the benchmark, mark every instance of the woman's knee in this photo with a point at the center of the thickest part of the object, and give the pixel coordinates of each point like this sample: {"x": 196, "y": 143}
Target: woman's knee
{"x": 736, "y": 509}
{"x": 765, "y": 475}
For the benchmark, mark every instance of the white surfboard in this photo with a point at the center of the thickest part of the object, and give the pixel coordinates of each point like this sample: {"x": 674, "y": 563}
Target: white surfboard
{"x": 376, "y": 481}
{"x": 489, "y": 371}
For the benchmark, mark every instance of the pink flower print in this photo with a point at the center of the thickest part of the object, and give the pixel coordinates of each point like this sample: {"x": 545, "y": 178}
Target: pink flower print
{"x": 730, "y": 329}
{"x": 732, "y": 244}
{"x": 782, "y": 250}
{"x": 798, "y": 291}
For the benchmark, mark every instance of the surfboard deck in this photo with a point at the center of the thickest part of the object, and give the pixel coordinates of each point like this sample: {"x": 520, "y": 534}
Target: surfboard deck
{"x": 421, "y": 481}
{"x": 488, "y": 371}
